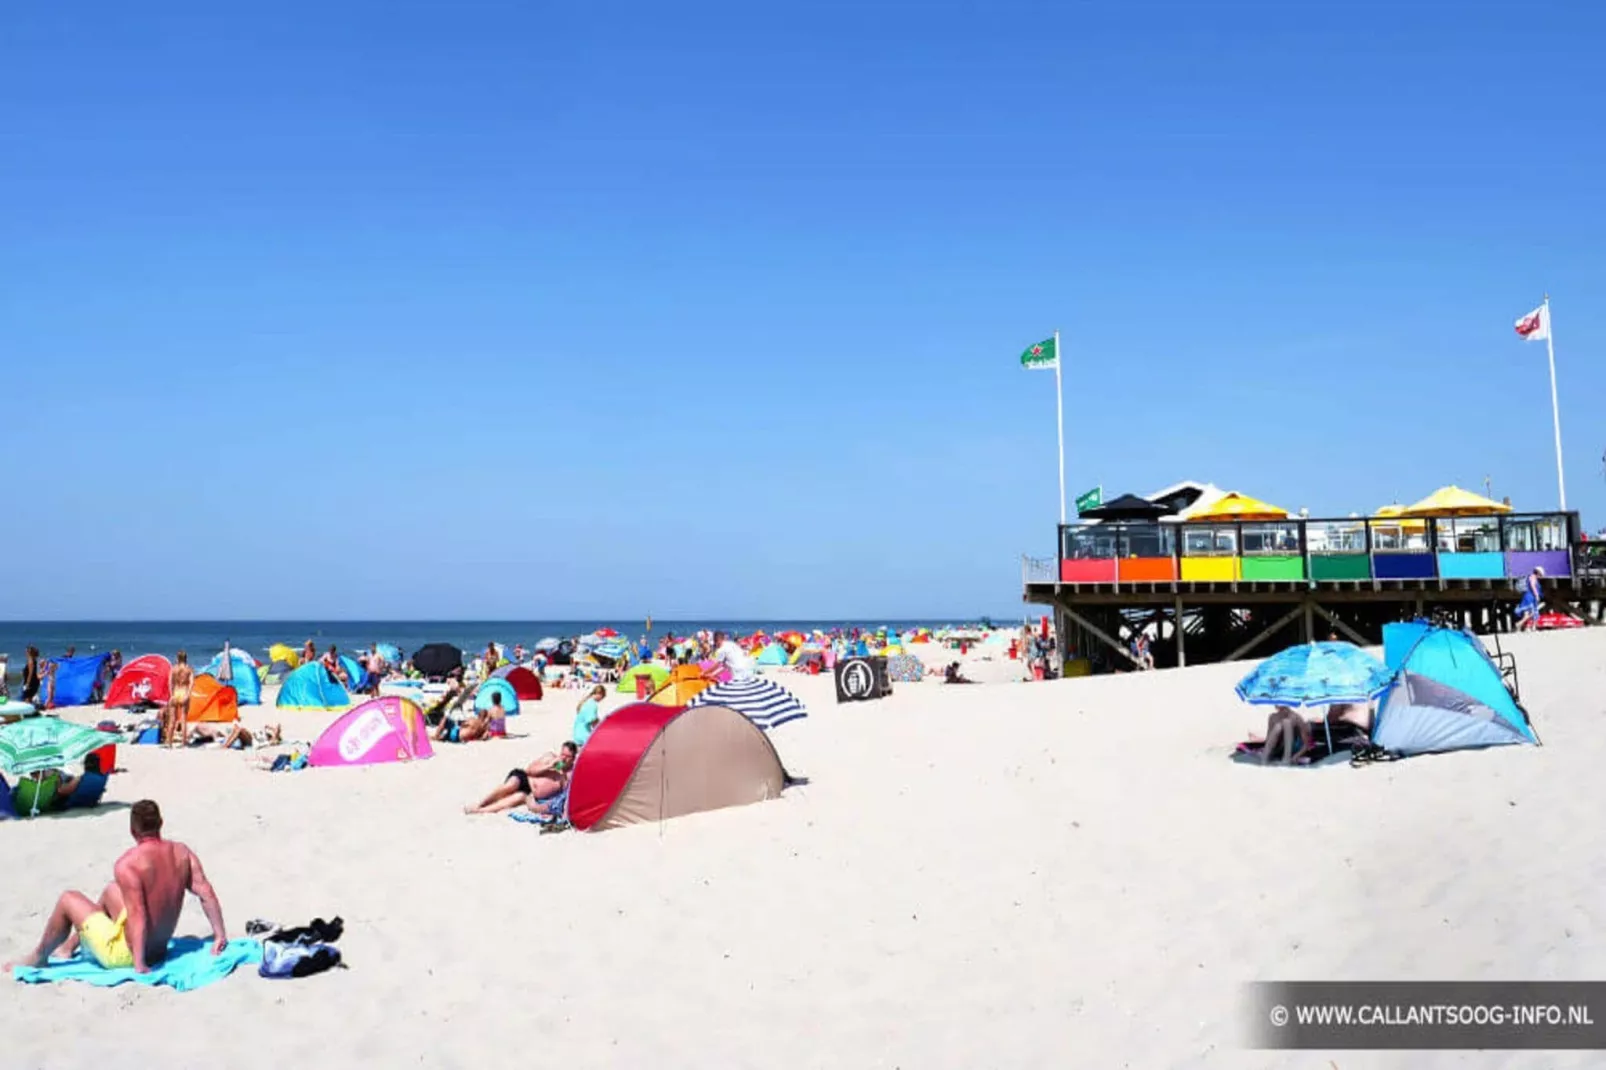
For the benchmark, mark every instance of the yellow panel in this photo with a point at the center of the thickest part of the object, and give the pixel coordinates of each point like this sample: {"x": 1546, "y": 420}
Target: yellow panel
{"x": 1209, "y": 569}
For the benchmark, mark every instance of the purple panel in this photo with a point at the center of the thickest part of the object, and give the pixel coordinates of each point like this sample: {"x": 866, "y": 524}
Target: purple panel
{"x": 1403, "y": 567}
{"x": 1555, "y": 562}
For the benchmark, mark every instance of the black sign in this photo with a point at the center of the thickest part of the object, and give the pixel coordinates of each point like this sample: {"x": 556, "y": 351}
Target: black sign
{"x": 862, "y": 679}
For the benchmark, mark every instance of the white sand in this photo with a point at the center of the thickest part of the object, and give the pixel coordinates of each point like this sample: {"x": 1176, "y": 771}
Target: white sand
{"x": 1018, "y": 875}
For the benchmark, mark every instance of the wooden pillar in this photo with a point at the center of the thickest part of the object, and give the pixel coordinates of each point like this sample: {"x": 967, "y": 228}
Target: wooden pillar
{"x": 1310, "y": 623}
{"x": 1182, "y": 632}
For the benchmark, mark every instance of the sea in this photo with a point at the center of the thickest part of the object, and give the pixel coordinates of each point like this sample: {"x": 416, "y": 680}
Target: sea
{"x": 203, "y": 638}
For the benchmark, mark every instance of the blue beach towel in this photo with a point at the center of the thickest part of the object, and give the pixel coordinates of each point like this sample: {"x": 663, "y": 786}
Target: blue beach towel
{"x": 189, "y": 965}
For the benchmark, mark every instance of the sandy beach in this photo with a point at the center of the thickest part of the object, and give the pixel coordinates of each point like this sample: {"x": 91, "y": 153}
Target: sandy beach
{"x": 1060, "y": 874}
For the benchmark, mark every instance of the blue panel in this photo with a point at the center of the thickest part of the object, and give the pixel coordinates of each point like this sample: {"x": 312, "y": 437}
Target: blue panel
{"x": 1403, "y": 567}
{"x": 1472, "y": 566}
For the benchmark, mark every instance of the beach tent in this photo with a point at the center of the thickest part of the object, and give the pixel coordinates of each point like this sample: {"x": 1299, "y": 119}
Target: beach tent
{"x": 525, "y": 683}
{"x": 657, "y": 676}
{"x": 390, "y": 652}
{"x": 247, "y": 686}
{"x": 311, "y": 688}
{"x": 356, "y": 675}
{"x": 212, "y": 702}
{"x": 75, "y": 679}
{"x": 647, "y": 762}
{"x": 686, "y": 681}
{"x": 143, "y": 682}
{"x": 905, "y": 669}
{"x": 774, "y": 654}
{"x": 495, "y": 686}
{"x": 285, "y": 655}
{"x": 386, "y": 729}
{"x": 1447, "y": 694}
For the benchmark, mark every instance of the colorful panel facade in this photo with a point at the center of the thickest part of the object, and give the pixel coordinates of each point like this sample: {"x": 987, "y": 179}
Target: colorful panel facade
{"x": 1148, "y": 570}
{"x": 1486, "y": 566}
{"x": 1209, "y": 569}
{"x": 1404, "y": 566}
{"x": 1088, "y": 570}
{"x": 1325, "y": 568}
{"x": 1270, "y": 569}
{"x": 1554, "y": 562}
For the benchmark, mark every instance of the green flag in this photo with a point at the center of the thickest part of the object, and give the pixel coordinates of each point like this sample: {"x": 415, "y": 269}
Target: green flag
{"x": 1044, "y": 354}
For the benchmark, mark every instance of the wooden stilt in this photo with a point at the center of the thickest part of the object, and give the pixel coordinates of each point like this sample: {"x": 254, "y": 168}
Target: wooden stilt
{"x": 1099, "y": 634}
{"x": 1256, "y": 641}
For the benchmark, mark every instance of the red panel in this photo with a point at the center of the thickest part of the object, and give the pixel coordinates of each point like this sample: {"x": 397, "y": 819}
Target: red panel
{"x": 609, "y": 759}
{"x": 143, "y": 680}
{"x": 1088, "y": 570}
{"x": 1148, "y": 570}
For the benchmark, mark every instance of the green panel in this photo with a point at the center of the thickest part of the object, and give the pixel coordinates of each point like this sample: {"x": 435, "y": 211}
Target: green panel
{"x": 1340, "y": 567}
{"x": 1274, "y": 568}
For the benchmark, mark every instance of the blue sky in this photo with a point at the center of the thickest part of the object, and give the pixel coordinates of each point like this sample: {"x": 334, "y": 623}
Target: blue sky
{"x": 541, "y": 310}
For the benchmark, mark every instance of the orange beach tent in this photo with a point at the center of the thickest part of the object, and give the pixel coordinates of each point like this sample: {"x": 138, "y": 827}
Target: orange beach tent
{"x": 212, "y": 702}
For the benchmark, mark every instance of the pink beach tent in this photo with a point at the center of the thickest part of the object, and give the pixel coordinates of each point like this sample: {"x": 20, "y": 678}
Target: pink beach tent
{"x": 387, "y": 729}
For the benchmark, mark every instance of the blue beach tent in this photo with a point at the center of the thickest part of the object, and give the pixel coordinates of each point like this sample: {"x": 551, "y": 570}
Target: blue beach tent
{"x": 497, "y": 686}
{"x": 1447, "y": 694}
{"x": 247, "y": 685}
{"x": 311, "y": 688}
{"x": 75, "y": 679}
{"x": 774, "y": 654}
{"x": 356, "y": 675}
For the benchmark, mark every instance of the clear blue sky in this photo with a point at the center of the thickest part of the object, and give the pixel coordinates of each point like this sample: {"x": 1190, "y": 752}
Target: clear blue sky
{"x": 536, "y": 310}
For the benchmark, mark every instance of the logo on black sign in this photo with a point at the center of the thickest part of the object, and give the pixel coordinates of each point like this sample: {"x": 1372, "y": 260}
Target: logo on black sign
{"x": 857, "y": 679}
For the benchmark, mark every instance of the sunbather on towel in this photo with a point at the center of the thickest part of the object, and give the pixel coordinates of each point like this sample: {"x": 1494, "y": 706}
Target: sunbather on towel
{"x": 131, "y": 923}
{"x": 541, "y": 779}
{"x": 238, "y": 737}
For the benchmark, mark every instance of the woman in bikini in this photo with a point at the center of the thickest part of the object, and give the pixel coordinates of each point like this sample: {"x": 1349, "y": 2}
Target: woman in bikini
{"x": 543, "y": 778}
{"x": 177, "y": 712}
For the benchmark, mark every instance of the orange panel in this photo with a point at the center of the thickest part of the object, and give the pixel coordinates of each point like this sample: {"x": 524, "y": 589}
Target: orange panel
{"x": 1148, "y": 570}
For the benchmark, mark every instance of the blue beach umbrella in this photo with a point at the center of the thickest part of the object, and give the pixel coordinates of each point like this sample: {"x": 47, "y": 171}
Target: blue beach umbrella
{"x": 1315, "y": 674}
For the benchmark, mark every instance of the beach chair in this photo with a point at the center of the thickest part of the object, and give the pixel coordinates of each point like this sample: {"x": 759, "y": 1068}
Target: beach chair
{"x": 35, "y": 794}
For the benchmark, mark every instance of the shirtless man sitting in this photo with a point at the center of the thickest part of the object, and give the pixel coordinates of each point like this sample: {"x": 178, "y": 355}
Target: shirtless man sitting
{"x": 540, "y": 780}
{"x": 135, "y": 917}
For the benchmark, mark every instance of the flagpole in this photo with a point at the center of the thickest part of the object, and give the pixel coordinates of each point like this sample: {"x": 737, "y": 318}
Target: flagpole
{"x": 1555, "y": 407}
{"x": 1059, "y": 412}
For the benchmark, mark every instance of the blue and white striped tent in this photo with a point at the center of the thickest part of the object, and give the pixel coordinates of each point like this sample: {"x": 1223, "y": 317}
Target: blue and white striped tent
{"x": 765, "y": 703}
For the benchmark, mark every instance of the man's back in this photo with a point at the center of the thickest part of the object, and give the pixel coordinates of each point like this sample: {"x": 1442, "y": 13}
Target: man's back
{"x": 159, "y": 873}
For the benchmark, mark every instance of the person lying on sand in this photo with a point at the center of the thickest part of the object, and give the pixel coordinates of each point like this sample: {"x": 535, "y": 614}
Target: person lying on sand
{"x": 238, "y": 737}
{"x": 540, "y": 780}
{"x": 476, "y": 726}
{"x": 131, "y": 923}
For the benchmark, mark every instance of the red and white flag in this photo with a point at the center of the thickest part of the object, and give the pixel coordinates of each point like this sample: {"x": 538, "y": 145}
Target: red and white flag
{"x": 1535, "y": 326}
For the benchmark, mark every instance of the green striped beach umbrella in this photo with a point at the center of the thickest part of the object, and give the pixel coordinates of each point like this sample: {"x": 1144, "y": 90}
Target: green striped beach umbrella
{"x": 46, "y": 743}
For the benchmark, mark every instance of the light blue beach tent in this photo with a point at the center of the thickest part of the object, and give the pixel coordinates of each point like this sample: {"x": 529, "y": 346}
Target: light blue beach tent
{"x": 246, "y": 683}
{"x": 774, "y": 654}
{"x": 497, "y": 686}
{"x": 356, "y": 675}
{"x": 311, "y": 688}
{"x": 1447, "y": 694}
